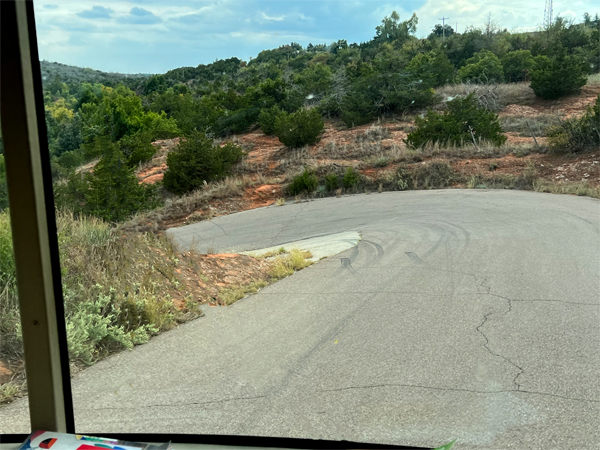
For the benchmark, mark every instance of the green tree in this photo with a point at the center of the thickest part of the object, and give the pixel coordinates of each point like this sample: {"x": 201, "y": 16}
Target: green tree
{"x": 301, "y": 128}
{"x": 517, "y": 65}
{"x": 433, "y": 68}
{"x": 463, "y": 121}
{"x": 556, "y": 77}
{"x": 391, "y": 29}
{"x": 196, "y": 161}
{"x": 484, "y": 67}
{"x": 113, "y": 192}
{"x": 268, "y": 118}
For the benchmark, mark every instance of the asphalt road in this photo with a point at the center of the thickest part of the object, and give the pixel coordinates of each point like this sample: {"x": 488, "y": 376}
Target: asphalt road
{"x": 461, "y": 314}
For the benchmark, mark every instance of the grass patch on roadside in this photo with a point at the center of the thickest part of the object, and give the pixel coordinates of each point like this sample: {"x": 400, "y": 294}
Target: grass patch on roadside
{"x": 282, "y": 264}
{"x": 581, "y": 189}
{"x": 116, "y": 288}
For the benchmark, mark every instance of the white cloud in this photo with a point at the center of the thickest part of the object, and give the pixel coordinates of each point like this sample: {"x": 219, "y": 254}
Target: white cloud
{"x": 276, "y": 19}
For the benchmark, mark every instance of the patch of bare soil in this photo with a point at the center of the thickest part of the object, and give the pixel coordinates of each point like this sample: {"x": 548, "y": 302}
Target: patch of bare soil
{"x": 572, "y": 105}
{"x": 203, "y": 276}
{"x": 551, "y": 168}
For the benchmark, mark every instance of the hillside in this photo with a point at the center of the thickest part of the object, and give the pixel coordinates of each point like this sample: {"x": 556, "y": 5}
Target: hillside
{"x": 377, "y": 152}
{"x": 75, "y": 75}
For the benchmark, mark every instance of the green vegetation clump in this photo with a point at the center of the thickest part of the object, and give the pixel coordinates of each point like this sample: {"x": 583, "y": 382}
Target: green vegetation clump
{"x": 577, "y": 134}
{"x": 351, "y": 178}
{"x": 196, "y": 161}
{"x": 464, "y": 121}
{"x": 306, "y": 182}
{"x": 301, "y": 128}
{"x": 517, "y": 65}
{"x": 484, "y": 67}
{"x": 557, "y": 76}
{"x": 332, "y": 181}
{"x": 268, "y": 118}
{"x": 115, "y": 287}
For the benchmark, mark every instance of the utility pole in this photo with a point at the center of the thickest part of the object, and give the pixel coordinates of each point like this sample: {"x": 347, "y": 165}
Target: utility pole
{"x": 443, "y": 19}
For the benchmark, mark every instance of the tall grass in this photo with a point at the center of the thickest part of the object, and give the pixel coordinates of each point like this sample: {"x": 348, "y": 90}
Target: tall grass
{"x": 116, "y": 288}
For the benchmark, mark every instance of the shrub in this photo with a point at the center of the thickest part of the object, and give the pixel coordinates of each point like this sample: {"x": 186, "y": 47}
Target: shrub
{"x": 305, "y": 182}
{"x": 557, "y": 77}
{"x": 236, "y": 122}
{"x": 112, "y": 191}
{"x": 137, "y": 147}
{"x": 301, "y": 128}
{"x": 517, "y": 65}
{"x": 484, "y": 67}
{"x": 196, "y": 160}
{"x": 267, "y": 119}
{"x": 433, "y": 68}
{"x": 332, "y": 181}
{"x": 435, "y": 175}
{"x": 351, "y": 178}
{"x": 71, "y": 159}
{"x": 577, "y": 134}
{"x": 456, "y": 125}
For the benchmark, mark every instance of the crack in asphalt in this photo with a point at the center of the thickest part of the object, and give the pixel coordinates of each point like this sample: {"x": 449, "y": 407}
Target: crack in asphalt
{"x": 284, "y": 227}
{"x": 487, "y": 341}
{"x": 474, "y": 391}
{"x": 167, "y": 405}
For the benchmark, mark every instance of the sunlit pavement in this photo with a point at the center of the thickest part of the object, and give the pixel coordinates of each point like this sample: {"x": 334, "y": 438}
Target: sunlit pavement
{"x": 460, "y": 314}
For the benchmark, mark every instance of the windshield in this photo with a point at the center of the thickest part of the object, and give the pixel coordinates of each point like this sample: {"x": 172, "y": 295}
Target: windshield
{"x": 359, "y": 221}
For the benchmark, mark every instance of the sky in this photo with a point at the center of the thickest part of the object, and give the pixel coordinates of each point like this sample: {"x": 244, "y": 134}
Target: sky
{"x": 154, "y": 36}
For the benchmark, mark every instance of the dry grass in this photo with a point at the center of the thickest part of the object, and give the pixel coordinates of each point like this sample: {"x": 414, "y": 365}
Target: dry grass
{"x": 374, "y": 133}
{"x": 281, "y": 265}
{"x": 520, "y": 124}
{"x": 177, "y": 207}
{"x": 582, "y": 188}
{"x": 594, "y": 79}
{"x": 492, "y": 96}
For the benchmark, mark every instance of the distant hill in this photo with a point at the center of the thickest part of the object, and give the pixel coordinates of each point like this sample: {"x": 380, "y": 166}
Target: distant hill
{"x": 73, "y": 74}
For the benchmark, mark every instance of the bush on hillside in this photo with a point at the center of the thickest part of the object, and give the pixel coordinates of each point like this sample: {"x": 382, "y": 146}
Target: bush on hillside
{"x": 517, "y": 65}
{"x": 196, "y": 160}
{"x": 301, "y": 128}
{"x": 267, "y": 119}
{"x": 553, "y": 78}
{"x": 484, "y": 67}
{"x": 577, "y": 134}
{"x": 137, "y": 148}
{"x": 306, "y": 182}
{"x": 455, "y": 126}
{"x": 112, "y": 192}
{"x": 433, "y": 68}
{"x": 351, "y": 178}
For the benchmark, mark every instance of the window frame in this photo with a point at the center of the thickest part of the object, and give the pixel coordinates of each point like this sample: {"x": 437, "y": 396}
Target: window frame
{"x": 35, "y": 242}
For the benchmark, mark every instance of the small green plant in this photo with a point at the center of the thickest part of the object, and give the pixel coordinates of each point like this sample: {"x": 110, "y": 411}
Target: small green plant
{"x": 332, "y": 181}
{"x": 464, "y": 122}
{"x": 306, "y": 182}
{"x": 577, "y": 134}
{"x": 351, "y": 178}
{"x": 493, "y": 166}
{"x": 301, "y": 128}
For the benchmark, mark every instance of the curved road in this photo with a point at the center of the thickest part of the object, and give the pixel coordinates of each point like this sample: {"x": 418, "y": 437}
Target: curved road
{"x": 461, "y": 314}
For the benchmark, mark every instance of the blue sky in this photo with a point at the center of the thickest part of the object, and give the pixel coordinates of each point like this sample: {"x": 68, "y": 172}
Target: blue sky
{"x": 152, "y": 36}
